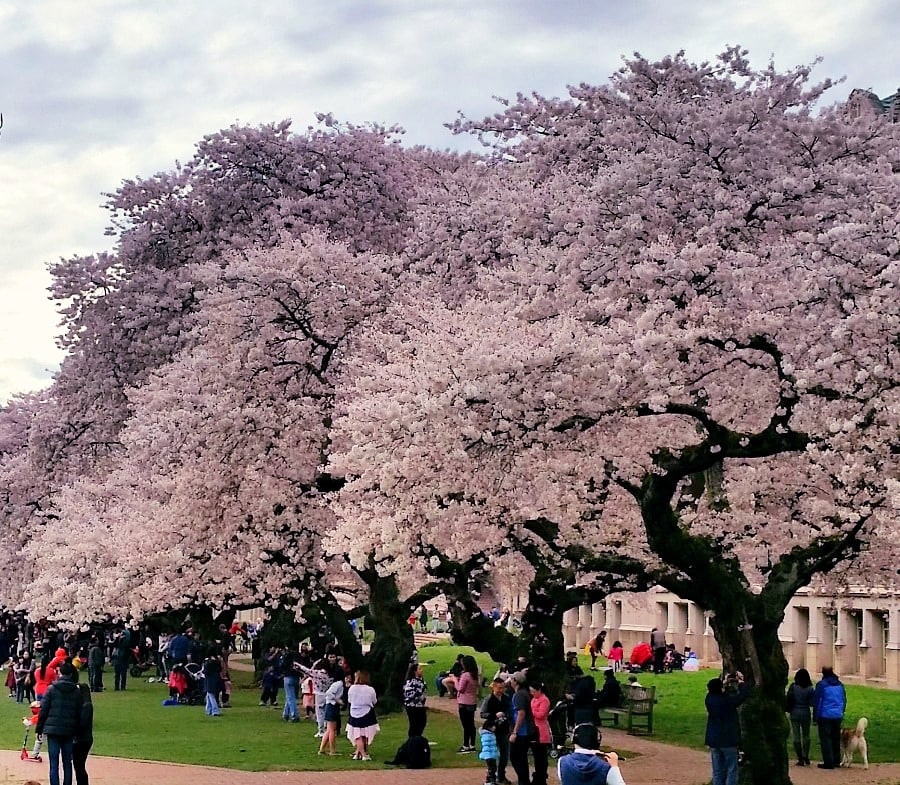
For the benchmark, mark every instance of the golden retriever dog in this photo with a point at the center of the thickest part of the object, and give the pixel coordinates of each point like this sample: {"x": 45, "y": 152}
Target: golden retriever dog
{"x": 853, "y": 740}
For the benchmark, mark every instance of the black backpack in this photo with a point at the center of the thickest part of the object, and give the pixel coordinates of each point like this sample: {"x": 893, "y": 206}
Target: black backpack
{"x": 414, "y": 753}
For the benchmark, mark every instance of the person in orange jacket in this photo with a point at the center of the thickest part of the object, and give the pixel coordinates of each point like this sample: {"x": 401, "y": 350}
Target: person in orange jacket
{"x": 44, "y": 675}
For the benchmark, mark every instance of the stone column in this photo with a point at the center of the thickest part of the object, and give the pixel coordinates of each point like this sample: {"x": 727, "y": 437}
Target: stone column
{"x": 815, "y": 641}
{"x": 696, "y": 623}
{"x": 870, "y": 664}
{"x": 584, "y": 626}
{"x": 598, "y": 620}
{"x": 892, "y": 677}
{"x": 570, "y": 628}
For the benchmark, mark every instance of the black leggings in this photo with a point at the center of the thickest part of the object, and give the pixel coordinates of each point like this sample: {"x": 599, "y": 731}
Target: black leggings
{"x": 417, "y": 719}
{"x": 467, "y": 720}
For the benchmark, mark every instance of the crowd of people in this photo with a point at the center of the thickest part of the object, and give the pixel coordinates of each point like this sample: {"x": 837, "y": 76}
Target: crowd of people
{"x": 508, "y": 727}
{"x": 322, "y": 685}
{"x": 515, "y": 734}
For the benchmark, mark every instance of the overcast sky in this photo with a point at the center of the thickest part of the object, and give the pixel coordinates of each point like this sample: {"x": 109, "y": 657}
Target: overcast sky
{"x": 96, "y": 91}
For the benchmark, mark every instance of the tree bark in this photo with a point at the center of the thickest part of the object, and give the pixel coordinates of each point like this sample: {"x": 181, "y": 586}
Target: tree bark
{"x": 542, "y": 636}
{"x": 749, "y": 643}
{"x": 393, "y": 647}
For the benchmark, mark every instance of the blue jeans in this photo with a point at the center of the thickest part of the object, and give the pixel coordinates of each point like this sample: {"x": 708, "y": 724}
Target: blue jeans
{"x": 724, "y": 765}
{"x": 56, "y": 746}
{"x": 290, "y": 698}
{"x": 212, "y": 705}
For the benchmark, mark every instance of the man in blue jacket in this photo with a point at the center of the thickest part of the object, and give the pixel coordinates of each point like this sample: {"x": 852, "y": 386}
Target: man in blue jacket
{"x": 723, "y": 726}
{"x": 829, "y": 704}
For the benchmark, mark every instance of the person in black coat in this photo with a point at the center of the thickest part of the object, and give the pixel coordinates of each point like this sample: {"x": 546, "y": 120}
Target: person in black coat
{"x": 723, "y": 726}
{"x": 60, "y": 721}
{"x": 610, "y": 694}
{"x": 85, "y": 738}
{"x": 497, "y": 708}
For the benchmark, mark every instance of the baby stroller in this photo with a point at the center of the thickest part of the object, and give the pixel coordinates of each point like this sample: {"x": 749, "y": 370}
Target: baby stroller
{"x": 140, "y": 663}
{"x": 641, "y": 658}
{"x": 560, "y": 731}
{"x": 186, "y": 684}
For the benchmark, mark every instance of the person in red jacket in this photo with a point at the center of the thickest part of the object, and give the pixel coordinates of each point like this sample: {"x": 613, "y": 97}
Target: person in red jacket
{"x": 45, "y": 674}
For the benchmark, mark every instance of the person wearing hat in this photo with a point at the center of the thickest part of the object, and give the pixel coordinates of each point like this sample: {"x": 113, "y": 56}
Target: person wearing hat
{"x": 586, "y": 765}
{"x": 522, "y": 730}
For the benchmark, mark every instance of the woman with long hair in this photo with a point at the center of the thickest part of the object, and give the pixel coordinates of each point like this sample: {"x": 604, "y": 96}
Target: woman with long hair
{"x": 466, "y": 702}
{"x": 362, "y": 726}
{"x": 798, "y": 704}
{"x": 334, "y": 697}
{"x": 414, "y": 700}
{"x": 540, "y": 748}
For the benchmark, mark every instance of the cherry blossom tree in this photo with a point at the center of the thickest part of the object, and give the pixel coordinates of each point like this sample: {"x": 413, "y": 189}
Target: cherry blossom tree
{"x": 687, "y": 351}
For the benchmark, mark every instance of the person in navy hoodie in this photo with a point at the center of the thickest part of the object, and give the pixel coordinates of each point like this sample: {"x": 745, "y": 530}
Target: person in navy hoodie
{"x": 829, "y": 704}
{"x": 586, "y": 765}
{"x": 723, "y": 726}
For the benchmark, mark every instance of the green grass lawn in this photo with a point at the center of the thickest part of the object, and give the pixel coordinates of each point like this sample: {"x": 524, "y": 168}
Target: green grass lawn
{"x": 134, "y": 724}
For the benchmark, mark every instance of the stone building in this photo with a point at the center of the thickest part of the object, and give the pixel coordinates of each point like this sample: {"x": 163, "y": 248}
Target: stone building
{"x": 858, "y": 633}
{"x": 862, "y": 102}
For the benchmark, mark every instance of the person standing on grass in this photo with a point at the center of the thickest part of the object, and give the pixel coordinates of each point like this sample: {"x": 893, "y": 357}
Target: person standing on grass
{"x": 85, "y": 738}
{"x": 658, "y": 645}
{"x": 321, "y": 674}
{"x": 466, "y": 701}
{"x": 290, "y": 670}
{"x": 60, "y": 721}
{"x": 414, "y": 691}
{"x": 497, "y": 707}
{"x": 96, "y": 660}
{"x": 334, "y": 697}
{"x": 595, "y": 648}
{"x": 523, "y": 726}
{"x": 212, "y": 683}
{"x": 540, "y": 746}
{"x": 362, "y": 726}
{"x": 829, "y": 705}
{"x": 723, "y": 726}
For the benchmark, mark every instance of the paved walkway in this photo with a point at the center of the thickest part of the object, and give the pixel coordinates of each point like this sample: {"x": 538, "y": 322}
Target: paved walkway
{"x": 658, "y": 764}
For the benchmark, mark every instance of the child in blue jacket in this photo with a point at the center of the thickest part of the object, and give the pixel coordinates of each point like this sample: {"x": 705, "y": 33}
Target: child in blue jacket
{"x": 490, "y": 753}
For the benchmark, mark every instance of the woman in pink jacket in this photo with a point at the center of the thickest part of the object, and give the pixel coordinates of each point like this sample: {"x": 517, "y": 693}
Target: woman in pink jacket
{"x": 540, "y": 710}
{"x": 466, "y": 701}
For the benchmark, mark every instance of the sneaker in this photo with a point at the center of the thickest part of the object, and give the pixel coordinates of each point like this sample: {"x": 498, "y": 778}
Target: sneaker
{"x": 366, "y": 757}
{"x": 318, "y": 735}
{"x": 464, "y": 750}
{"x": 355, "y": 756}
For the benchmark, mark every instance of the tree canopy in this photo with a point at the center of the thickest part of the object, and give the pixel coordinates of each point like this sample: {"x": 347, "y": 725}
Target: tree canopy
{"x": 649, "y": 335}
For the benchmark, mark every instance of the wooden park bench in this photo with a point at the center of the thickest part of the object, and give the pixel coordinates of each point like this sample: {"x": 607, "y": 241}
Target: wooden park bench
{"x": 637, "y": 712}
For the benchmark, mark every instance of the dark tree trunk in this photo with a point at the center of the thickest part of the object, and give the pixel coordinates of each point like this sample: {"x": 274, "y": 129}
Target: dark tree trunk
{"x": 336, "y": 619}
{"x": 393, "y": 647}
{"x": 749, "y": 643}
{"x": 745, "y": 624}
{"x": 472, "y": 628}
{"x": 542, "y": 637}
